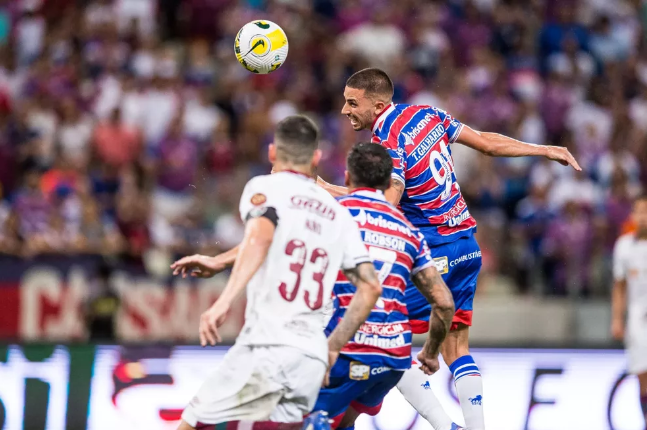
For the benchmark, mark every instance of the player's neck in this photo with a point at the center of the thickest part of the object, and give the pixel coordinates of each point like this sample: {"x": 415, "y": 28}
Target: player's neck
{"x": 352, "y": 189}
{"x": 641, "y": 234}
{"x": 295, "y": 168}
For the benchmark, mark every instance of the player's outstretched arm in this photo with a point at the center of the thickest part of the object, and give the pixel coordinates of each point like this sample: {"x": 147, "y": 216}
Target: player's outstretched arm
{"x": 618, "y": 309}
{"x": 498, "y": 145}
{"x": 433, "y": 288}
{"x": 364, "y": 278}
{"x": 252, "y": 252}
{"x": 203, "y": 266}
{"x": 333, "y": 190}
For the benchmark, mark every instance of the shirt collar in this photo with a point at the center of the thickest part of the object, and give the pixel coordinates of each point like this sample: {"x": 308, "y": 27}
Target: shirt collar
{"x": 382, "y": 116}
{"x": 369, "y": 192}
{"x": 294, "y": 172}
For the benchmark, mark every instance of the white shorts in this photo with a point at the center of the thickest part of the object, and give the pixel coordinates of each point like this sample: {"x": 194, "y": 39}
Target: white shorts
{"x": 275, "y": 383}
{"x": 637, "y": 345}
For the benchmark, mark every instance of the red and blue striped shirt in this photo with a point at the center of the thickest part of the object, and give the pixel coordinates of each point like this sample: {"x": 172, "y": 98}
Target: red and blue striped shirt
{"x": 418, "y": 139}
{"x": 398, "y": 250}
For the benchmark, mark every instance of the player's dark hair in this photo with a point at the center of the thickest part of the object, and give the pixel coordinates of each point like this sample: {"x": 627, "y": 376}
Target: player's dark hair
{"x": 374, "y": 82}
{"x": 369, "y": 165}
{"x": 296, "y": 139}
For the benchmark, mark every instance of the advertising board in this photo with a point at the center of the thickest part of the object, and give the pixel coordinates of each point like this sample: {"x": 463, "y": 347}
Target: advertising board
{"x": 108, "y": 387}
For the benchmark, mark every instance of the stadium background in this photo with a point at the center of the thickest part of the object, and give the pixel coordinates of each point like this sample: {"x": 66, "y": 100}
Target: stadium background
{"x": 127, "y": 131}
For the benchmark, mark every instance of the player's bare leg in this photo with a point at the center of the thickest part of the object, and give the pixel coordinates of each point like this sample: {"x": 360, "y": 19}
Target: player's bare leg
{"x": 467, "y": 377}
{"x": 348, "y": 421}
{"x": 642, "y": 383}
{"x": 185, "y": 426}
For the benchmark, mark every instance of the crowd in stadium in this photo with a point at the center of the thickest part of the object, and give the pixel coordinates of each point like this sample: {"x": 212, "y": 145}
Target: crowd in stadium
{"x": 128, "y": 128}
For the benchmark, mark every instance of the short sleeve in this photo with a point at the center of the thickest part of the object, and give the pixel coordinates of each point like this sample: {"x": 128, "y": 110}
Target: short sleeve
{"x": 397, "y": 153}
{"x": 423, "y": 259}
{"x": 256, "y": 201}
{"x": 452, "y": 126}
{"x": 619, "y": 260}
{"x": 355, "y": 252}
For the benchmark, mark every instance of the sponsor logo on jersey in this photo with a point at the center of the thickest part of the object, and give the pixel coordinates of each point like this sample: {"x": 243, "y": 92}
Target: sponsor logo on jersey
{"x": 313, "y": 205}
{"x": 258, "y": 199}
{"x": 466, "y": 257}
{"x": 478, "y": 400}
{"x": 363, "y": 217}
{"x": 380, "y": 342}
{"x": 441, "y": 265}
{"x": 433, "y": 136}
{"x": 426, "y": 385}
{"x": 455, "y": 211}
{"x": 384, "y": 241}
{"x": 359, "y": 371}
{"x": 378, "y": 370}
{"x": 454, "y": 221}
{"x": 415, "y": 131}
{"x": 382, "y": 329}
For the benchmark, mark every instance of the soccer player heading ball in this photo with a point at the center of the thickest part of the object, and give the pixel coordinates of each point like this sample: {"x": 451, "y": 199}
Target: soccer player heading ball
{"x": 424, "y": 186}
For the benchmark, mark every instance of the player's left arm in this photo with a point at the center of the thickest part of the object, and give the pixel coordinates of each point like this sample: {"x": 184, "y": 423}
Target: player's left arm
{"x": 393, "y": 194}
{"x": 498, "y": 145}
{"x": 431, "y": 285}
{"x": 333, "y": 190}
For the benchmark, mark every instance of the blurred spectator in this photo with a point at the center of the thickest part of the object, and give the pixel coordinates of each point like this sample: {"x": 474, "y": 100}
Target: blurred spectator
{"x": 102, "y": 307}
{"x": 116, "y": 144}
{"x": 377, "y": 40}
{"x": 174, "y": 164}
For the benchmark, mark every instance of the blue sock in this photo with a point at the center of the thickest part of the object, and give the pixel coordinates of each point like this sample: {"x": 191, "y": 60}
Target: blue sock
{"x": 464, "y": 366}
{"x": 346, "y": 428}
{"x": 469, "y": 388}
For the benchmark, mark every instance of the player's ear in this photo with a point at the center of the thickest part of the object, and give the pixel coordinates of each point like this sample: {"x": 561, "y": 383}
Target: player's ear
{"x": 379, "y": 107}
{"x": 346, "y": 178}
{"x": 316, "y": 157}
{"x": 271, "y": 153}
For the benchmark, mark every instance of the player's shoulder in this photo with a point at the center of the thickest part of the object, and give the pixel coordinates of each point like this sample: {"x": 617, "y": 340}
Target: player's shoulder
{"x": 625, "y": 242}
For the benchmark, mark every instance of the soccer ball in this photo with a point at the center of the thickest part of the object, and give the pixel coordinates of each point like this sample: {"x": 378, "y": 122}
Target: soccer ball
{"x": 261, "y": 46}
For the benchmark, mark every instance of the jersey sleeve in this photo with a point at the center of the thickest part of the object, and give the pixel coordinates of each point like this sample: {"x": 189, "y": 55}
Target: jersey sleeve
{"x": 355, "y": 252}
{"x": 397, "y": 153}
{"x": 452, "y": 126}
{"x": 423, "y": 259}
{"x": 619, "y": 260}
{"x": 257, "y": 201}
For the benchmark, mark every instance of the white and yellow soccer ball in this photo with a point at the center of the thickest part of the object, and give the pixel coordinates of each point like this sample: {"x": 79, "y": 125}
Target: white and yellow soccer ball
{"x": 261, "y": 46}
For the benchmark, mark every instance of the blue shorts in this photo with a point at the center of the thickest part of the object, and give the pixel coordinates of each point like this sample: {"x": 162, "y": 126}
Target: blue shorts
{"x": 356, "y": 384}
{"x": 459, "y": 263}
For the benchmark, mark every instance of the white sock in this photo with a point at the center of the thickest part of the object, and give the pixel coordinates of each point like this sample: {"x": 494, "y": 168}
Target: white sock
{"x": 415, "y": 387}
{"x": 469, "y": 388}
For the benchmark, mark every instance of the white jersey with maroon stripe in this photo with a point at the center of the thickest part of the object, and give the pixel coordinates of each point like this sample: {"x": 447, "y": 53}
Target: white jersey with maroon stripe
{"x": 630, "y": 265}
{"x": 315, "y": 237}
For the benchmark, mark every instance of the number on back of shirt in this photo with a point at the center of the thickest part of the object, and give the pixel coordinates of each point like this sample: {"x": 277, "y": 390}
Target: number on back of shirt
{"x": 444, "y": 159}
{"x": 383, "y": 259}
{"x": 318, "y": 260}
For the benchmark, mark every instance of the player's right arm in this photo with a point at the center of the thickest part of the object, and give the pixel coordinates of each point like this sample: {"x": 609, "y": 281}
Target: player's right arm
{"x": 618, "y": 309}
{"x": 431, "y": 285}
{"x": 204, "y": 266}
{"x": 619, "y": 292}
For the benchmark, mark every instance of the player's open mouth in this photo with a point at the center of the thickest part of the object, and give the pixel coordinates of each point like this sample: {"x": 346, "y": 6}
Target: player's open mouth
{"x": 353, "y": 122}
